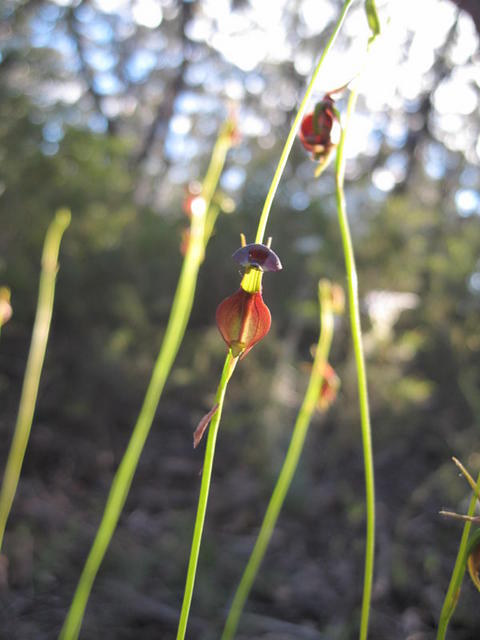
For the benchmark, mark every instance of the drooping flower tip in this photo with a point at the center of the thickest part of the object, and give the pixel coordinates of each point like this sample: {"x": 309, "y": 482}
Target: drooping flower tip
{"x": 185, "y": 241}
{"x": 329, "y": 388}
{"x": 320, "y": 129}
{"x": 243, "y": 319}
{"x": 233, "y": 132}
{"x": 258, "y": 256}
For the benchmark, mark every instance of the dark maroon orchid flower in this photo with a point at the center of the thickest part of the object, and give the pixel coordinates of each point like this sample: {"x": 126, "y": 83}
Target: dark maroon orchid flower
{"x": 320, "y": 130}
{"x": 243, "y": 319}
{"x": 259, "y": 256}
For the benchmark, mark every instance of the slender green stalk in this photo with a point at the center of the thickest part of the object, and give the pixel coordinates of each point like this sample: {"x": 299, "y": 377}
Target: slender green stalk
{"x": 295, "y": 126}
{"x": 248, "y": 280}
{"x": 177, "y": 323}
{"x": 453, "y": 592}
{"x": 354, "y": 312}
{"x": 289, "y": 465}
{"x": 230, "y": 363}
{"x": 33, "y": 371}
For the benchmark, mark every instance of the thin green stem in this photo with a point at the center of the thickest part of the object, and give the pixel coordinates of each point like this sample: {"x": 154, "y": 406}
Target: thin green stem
{"x": 33, "y": 371}
{"x": 230, "y": 363}
{"x": 176, "y": 326}
{"x": 289, "y": 465}
{"x": 453, "y": 592}
{"x": 211, "y": 220}
{"x": 354, "y": 311}
{"x": 259, "y": 239}
{"x": 217, "y": 161}
{"x": 467, "y": 477}
{"x": 295, "y": 126}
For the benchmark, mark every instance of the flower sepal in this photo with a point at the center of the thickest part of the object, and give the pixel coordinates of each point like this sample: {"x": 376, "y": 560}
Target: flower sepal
{"x": 243, "y": 319}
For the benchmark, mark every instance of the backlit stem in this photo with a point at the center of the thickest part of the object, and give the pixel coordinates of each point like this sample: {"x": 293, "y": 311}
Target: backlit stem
{"x": 229, "y": 366}
{"x": 354, "y": 312}
{"x": 290, "y": 463}
{"x": 36, "y": 356}
{"x": 262, "y": 225}
{"x": 176, "y": 326}
{"x": 453, "y": 592}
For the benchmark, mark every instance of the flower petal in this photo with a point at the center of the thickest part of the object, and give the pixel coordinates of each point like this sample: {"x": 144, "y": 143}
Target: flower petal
{"x": 259, "y": 256}
{"x": 243, "y": 319}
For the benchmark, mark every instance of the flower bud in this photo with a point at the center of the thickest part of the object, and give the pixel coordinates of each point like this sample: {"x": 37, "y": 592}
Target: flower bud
{"x": 243, "y": 319}
{"x": 320, "y": 130}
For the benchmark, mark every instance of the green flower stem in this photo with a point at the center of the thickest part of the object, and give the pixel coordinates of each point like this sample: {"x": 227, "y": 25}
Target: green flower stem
{"x": 290, "y": 463}
{"x": 295, "y": 126}
{"x": 230, "y": 363}
{"x": 212, "y": 216}
{"x": 247, "y": 281}
{"x": 354, "y": 311}
{"x": 177, "y": 322}
{"x": 453, "y": 591}
{"x": 219, "y": 153}
{"x": 36, "y": 357}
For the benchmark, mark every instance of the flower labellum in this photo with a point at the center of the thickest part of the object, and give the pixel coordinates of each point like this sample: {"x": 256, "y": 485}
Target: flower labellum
{"x": 320, "y": 130}
{"x": 259, "y": 256}
{"x": 243, "y": 319}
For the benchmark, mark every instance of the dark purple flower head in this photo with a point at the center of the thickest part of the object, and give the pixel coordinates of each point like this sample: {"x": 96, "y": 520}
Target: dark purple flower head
{"x": 258, "y": 256}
